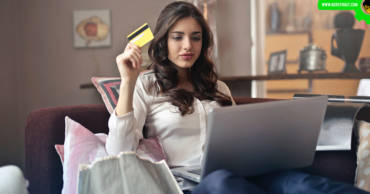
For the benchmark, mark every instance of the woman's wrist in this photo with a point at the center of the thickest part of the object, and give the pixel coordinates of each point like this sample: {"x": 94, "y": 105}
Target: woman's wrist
{"x": 126, "y": 81}
{"x": 124, "y": 104}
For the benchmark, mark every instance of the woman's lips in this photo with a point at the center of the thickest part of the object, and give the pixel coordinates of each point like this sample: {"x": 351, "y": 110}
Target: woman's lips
{"x": 186, "y": 56}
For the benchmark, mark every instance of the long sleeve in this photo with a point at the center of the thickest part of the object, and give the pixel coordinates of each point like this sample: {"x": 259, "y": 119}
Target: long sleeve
{"x": 125, "y": 131}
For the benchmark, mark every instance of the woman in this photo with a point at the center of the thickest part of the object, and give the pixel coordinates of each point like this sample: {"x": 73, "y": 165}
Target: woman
{"x": 173, "y": 98}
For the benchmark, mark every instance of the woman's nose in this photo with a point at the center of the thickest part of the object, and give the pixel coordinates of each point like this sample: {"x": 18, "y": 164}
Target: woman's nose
{"x": 187, "y": 44}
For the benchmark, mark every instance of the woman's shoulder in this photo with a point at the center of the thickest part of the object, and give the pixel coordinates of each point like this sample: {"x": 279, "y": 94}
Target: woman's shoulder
{"x": 221, "y": 86}
{"x": 147, "y": 75}
{"x": 146, "y": 80}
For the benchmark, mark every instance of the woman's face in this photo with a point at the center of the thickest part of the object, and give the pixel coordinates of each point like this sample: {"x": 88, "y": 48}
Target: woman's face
{"x": 184, "y": 42}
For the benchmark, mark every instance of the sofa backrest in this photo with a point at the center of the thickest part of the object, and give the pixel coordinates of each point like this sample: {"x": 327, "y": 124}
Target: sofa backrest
{"x": 44, "y": 129}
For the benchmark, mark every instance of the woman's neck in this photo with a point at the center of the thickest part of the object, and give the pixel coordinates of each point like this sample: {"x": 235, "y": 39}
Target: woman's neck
{"x": 183, "y": 74}
{"x": 183, "y": 78}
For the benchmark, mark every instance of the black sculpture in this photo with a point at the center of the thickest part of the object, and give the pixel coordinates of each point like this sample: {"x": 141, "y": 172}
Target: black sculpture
{"x": 348, "y": 41}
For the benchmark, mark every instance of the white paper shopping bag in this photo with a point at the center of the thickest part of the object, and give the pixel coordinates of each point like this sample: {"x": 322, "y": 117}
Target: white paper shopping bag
{"x": 126, "y": 173}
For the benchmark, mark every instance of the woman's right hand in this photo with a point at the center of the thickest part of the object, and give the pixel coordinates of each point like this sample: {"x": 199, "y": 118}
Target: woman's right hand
{"x": 129, "y": 62}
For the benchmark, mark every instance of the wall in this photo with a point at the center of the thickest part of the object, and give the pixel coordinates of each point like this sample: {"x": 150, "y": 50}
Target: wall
{"x": 45, "y": 65}
{"x": 9, "y": 131}
{"x": 52, "y": 69}
{"x": 41, "y": 68}
{"x": 234, "y": 37}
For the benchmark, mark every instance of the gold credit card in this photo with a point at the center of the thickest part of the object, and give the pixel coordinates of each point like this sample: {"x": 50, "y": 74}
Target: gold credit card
{"x": 141, "y": 36}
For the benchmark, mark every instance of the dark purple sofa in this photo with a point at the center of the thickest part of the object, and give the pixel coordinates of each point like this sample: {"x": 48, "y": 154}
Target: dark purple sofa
{"x": 45, "y": 128}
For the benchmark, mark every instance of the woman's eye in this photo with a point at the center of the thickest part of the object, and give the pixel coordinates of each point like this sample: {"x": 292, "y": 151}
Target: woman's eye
{"x": 177, "y": 37}
{"x": 196, "y": 38}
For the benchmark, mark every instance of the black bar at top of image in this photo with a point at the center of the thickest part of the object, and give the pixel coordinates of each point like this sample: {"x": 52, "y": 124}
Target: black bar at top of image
{"x": 138, "y": 32}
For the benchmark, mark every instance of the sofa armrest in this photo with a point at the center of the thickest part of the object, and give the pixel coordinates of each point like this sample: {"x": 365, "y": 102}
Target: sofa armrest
{"x": 45, "y": 128}
{"x": 336, "y": 165}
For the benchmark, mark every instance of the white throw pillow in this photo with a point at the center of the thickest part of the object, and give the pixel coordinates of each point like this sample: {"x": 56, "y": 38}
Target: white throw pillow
{"x": 363, "y": 157}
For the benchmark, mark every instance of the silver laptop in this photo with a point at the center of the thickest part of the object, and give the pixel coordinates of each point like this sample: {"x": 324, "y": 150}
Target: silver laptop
{"x": 254, "y": 139}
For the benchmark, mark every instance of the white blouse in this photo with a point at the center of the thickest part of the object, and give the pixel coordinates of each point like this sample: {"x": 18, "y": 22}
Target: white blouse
{"x": 181, "y": 137}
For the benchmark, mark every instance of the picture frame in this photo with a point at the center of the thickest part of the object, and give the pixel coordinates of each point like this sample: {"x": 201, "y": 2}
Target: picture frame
{"x": 91, "y": 28}
{"x": 277, "y": 62}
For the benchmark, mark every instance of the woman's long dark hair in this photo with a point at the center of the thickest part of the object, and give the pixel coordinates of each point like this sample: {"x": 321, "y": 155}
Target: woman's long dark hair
{"x": 202, "y": 74}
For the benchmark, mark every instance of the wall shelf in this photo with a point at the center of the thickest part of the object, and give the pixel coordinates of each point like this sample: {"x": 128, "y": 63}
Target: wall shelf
{"x": 241, "y": 85}
{"x": 302, "y": 76}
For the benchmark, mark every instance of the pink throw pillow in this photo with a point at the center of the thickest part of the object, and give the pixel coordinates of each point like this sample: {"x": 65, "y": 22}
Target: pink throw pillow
{"x": 60, "y": 150}
{"x": 151, "y": 149}
{"x": 81, "y": 146}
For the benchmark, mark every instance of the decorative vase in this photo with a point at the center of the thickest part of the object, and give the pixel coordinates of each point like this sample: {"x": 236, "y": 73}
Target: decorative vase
{"x": 291, "y": 16}
{"x": 275, "y": 17}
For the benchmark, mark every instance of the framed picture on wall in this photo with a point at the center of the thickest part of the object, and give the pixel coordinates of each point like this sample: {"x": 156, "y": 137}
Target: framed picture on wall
{"x": 277, "y": 62}
{"x": 91, "y": 28}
